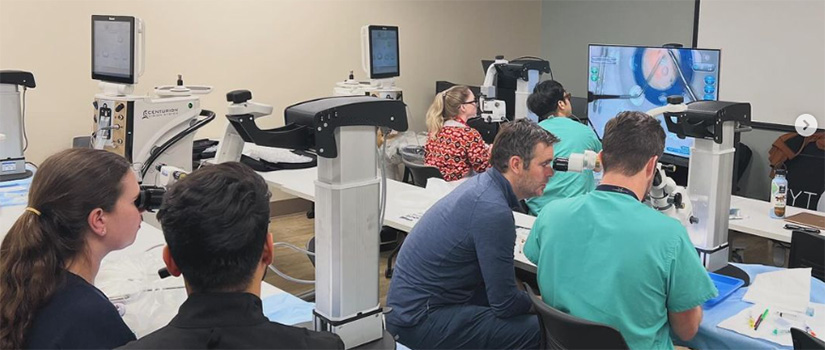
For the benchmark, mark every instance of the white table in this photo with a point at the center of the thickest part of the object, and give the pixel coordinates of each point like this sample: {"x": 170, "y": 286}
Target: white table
{"x": 405, "y": 203}
{"x": 404, "y": 199}
{"x": 758, "y": 222}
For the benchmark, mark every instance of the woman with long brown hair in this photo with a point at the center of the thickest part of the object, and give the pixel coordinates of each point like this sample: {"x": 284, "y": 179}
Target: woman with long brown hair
{"x": 81, "y": 207}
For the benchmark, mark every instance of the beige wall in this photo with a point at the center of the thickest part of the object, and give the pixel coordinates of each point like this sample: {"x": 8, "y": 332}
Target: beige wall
{"x": 283, "y": 51}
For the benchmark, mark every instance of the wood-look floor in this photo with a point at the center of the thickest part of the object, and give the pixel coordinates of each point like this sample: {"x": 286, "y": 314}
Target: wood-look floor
{"x": 297, "y": 229}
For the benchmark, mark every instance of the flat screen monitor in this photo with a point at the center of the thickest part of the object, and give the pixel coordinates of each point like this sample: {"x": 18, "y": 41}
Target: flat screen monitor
{"x": 634, "y": 78}
{"x": 113, "y": 49}
{"x": 384, "y": 60}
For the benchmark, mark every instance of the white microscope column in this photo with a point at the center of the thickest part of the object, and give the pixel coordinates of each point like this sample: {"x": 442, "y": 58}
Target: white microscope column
{"x": 347, "y": 234}
{"x": 709, "y": 187}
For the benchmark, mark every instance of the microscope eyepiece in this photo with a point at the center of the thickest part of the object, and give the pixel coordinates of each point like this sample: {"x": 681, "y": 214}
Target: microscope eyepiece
{"x": 561, "y": 164}
{"x": 150, "y": 198}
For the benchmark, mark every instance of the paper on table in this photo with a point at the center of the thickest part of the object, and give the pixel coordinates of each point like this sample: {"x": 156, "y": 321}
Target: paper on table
{"x": 741, "y": 323}
{"x": 789, "y": 289}
{"x": 439, "y": 187}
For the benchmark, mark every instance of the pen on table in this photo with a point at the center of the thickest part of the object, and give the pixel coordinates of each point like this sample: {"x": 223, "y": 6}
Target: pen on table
{"x": 809, "y": 330}
{"x": 760, "y": 319}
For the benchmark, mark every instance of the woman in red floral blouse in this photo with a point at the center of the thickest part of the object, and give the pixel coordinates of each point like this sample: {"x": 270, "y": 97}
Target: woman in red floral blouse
{"x": 453, "y": 147}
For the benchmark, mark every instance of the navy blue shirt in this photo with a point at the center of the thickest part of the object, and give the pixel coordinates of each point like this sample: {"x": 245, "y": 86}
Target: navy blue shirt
{"x": 77, "y": 316}
{"x": 460, "y": 252}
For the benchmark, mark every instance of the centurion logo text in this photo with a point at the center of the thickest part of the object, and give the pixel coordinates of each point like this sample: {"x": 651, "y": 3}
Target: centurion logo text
{"x": 157, "y": 113}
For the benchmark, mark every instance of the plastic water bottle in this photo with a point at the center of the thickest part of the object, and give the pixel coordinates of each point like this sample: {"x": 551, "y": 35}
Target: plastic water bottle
{"x": 779, "y": 191}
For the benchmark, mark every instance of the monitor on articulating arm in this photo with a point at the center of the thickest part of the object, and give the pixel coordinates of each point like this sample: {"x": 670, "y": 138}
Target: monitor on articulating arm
{"x": 631, "y": 78}
{"x": 116, "y": 43}
{"x": 381, "y": 61}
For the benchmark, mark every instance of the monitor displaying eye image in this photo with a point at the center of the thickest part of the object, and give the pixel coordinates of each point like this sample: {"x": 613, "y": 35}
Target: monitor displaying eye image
{"x": 384, "y": 62}
{"x": 632, "y": 78}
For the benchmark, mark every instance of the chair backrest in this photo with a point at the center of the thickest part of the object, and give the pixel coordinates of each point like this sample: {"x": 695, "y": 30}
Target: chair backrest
{"x": 803, "y": 340}
{"x": 808, "y": 250}
{"x": 741, "y": 160}
{"x": 563, "y": 331}
{"x": 421, "y": 172}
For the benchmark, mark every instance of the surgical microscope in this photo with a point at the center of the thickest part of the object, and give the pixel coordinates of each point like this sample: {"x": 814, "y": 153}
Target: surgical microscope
{"x": 149, "y": 131}
{"x": 348, "y": 199}
{"x": 503, "y": 95}
{"x": 12, "y": 133}
{"x": 703, "y": 208}
{"x": 525, "y": 73}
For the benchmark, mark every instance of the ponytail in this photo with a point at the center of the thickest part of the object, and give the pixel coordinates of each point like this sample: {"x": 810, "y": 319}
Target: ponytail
{"x": 435, "y": 118}
{"x": 31, "y": 272}
{"x": 51, "y": 232}
{"x": 446, "y": 106}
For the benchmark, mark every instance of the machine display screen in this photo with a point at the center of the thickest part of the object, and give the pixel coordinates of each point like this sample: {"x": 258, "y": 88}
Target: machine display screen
{"x": 113, "y": 49}
{"x": 630, "y": 78}
{"x": 384, "y": 61}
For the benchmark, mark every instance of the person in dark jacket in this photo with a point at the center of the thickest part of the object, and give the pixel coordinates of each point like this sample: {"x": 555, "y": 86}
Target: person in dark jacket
{"x": 215, "y": 223}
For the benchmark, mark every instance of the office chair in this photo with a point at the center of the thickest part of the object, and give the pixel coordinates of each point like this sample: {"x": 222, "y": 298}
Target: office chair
{"x": 808, "y": 250}
{"x": 563, "y": 331}
{"x": 803, "y": 340}
{"x": 741, "y": 158}
{"x": 421, "y": 172}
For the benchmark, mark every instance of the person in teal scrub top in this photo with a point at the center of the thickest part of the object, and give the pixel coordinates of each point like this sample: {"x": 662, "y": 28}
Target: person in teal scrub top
{"x": 551, "y": 103}
{"x": 608, "y": 258}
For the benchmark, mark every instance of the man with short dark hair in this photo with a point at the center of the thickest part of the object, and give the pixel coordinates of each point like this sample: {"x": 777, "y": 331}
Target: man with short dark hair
{"x": 551, "y": 102}
{"x": 607, "y": 257}
{"x": 454, "y": 284}
{"x": 215, "y": 222}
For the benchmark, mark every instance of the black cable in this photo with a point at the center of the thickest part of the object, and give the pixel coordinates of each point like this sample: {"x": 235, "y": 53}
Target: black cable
{"x": 23, "y": 122}
{"x": 593, "y": 127}
{"x": 166, "y": 145}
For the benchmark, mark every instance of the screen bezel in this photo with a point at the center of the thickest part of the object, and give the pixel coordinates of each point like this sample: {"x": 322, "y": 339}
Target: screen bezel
{"x": 374, "y": 75}
{"x": 675, "y": 158}
{"x": 131, "y": 79}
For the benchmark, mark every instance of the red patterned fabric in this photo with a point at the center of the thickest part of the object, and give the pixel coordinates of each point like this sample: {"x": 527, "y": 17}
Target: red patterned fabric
{"x": 456, "y": 150}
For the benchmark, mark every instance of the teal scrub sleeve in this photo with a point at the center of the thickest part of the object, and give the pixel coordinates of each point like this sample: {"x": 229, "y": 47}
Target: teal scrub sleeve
{"x": 688, "y": 284}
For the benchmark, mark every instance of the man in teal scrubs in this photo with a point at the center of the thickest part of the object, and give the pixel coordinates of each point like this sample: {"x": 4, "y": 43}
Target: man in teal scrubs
{"x": 551, "y": 103}
{"x": 607, "y": 257}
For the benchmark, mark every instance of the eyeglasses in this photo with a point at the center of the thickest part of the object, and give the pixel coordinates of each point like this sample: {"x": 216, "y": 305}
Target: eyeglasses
{"x": 567, "y": 95}
{"x": 469, "y": 102}
{"x": 801, "y": 228}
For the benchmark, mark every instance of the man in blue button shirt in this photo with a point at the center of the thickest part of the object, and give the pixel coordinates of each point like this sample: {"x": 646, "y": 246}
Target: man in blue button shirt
{"x": 454, "y": 285}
